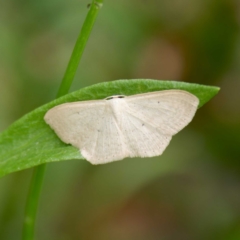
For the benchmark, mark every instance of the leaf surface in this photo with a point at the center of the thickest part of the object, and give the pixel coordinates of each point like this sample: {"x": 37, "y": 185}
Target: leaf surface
{"x": 30, "y": 141}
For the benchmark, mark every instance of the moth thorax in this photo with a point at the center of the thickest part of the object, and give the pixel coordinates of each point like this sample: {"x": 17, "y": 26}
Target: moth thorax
{"x": 117, "y": 105}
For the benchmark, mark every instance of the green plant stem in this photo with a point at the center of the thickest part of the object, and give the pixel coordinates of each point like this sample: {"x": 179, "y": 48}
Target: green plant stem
{"x": 38, "y": 174}
{"x": 32, "y": 202}
{"x": 79, "y": 48}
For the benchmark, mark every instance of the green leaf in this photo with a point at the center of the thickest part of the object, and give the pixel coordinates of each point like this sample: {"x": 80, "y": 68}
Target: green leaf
{"x": 30, "y": 141}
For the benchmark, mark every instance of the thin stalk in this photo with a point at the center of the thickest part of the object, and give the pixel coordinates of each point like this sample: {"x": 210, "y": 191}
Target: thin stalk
{"x": 38, "y": 174}
{"x": 32, "y": 202}
{"x": 79, "y": 48}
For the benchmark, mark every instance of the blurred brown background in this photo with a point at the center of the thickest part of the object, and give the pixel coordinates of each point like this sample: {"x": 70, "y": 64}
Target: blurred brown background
{"x": 192, "y": 191}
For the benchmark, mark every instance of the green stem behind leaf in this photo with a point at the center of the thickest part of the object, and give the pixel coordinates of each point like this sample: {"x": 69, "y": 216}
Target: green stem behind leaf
{"x": 38, "y": 175}
{"x": 79, "y": 48}
{"x": 32, "y": 202}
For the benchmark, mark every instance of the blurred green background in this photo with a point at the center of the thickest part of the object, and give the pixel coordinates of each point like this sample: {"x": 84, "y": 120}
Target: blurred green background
{"x": 192, "y": 191}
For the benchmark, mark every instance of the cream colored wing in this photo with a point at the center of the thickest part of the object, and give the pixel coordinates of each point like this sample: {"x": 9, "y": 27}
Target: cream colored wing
{"x": 109, "y": 145}
{"x": 139, "y": 125}
{"x": 141, "y": 138}
{"x": 168, "y": 111}
{"x": 90, "y": 126}
{"x": 151, "y": 119}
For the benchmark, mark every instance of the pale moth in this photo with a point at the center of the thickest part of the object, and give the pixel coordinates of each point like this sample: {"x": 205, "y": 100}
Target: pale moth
{"x": 117, "y": 127}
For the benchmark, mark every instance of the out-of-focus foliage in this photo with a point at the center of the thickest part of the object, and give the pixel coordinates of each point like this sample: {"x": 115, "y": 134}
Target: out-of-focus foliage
{"x": 192, "y": 190}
